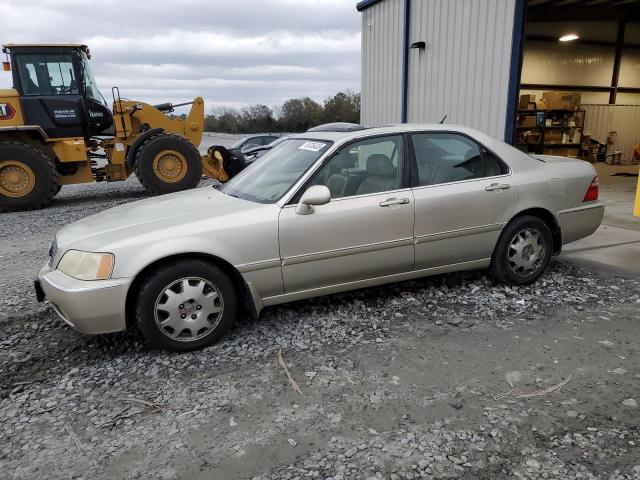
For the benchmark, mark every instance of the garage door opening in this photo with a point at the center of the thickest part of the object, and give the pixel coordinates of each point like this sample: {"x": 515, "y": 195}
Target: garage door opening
{"x": 579, "y": 90}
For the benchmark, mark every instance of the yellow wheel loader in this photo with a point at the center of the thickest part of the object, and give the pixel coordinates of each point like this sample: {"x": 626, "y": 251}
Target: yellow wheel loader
{"x": 56, "y": 129}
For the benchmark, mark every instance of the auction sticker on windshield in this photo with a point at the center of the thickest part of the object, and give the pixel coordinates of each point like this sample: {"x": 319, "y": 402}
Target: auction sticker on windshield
{"x": 312, "y": 146}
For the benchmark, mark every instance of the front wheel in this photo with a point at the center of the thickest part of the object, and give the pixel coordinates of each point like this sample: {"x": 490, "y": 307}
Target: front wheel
{"x": 186, "y": 305}
{"x": 523, "y": 251}
{"x": 168, "y": 163}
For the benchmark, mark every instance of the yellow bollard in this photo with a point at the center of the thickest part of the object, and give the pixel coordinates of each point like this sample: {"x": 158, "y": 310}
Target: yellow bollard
{"x": 636, "y": 208}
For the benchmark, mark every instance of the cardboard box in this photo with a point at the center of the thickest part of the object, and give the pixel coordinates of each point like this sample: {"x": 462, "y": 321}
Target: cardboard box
{"x": 533, "y": 137}
{"x": 550, "y": 99}
{"x": 526, "y": 100}
{"x": 552, "y": 136}
{"x": 574, "y": 100}
{"x": 561, "y": 100}
{"x": 562, "y": 152}
{"x": 541, "y": 105}
{"x": 527, "y": 121}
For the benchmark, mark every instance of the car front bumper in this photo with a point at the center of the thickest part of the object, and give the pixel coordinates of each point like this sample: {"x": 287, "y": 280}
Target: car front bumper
{"x": 89, "y": 307}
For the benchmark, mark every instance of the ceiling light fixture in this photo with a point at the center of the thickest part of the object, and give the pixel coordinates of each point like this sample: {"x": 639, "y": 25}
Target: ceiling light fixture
{"x": 569, "y": 37}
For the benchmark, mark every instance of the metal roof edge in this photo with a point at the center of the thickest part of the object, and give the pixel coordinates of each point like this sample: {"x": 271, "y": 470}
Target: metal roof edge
{"x": 43, "y": 45}
{"x": 362, "y": 4}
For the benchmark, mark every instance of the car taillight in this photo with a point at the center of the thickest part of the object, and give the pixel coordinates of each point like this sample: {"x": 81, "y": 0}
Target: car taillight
{"x": 592, "y": 191}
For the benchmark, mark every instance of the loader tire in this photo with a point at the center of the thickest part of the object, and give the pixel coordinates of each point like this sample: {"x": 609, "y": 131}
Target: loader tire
{"x": 28, "y": 177}
{"x": 168, "y": 163}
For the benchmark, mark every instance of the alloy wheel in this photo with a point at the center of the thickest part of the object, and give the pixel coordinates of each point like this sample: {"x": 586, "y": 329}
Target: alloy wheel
{"x": 188, "y": 309}
{"x": 526, "y": 252}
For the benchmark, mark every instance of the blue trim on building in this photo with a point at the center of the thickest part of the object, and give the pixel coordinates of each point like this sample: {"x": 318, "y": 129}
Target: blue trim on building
{"x": 365, "y": 4}
{"x": 515, "y": 70}
{"x": 405, "y": 62}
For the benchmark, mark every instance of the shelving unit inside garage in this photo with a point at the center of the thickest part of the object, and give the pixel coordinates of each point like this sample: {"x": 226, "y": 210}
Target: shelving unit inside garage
{"x": 553, "y": 132}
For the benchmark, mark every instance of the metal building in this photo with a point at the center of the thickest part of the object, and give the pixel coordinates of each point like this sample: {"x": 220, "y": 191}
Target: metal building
{"x": 551, "y": 77}
{"x": 471, "y": 59}
{"x": 424, "y": 59}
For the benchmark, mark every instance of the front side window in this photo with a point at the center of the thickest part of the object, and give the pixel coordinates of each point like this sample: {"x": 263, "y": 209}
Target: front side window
{"x": 269, "y": 179}
{"x": 448, "y": 157}
{"x": 47, "y": 74}
{"x": 369, "y": 166}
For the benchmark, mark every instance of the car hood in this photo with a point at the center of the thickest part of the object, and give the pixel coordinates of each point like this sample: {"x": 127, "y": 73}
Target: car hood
{"x": 99, "y": 232}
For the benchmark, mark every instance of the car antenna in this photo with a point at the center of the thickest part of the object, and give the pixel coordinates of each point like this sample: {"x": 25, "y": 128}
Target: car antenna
{"x": 443, "y": 119}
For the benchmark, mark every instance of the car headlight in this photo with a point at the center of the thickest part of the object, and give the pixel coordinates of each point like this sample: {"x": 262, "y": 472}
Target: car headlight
{"x": 86, "y": 265}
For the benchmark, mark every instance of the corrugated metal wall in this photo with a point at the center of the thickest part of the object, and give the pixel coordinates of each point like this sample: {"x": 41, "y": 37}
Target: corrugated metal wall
{"x": 382, "y": 38}
{"x": 463, "y": 72}
{"x": 624, "y": 119}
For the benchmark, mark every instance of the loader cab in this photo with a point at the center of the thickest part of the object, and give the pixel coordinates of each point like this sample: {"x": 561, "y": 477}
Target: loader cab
{"x": 58, "y": 91}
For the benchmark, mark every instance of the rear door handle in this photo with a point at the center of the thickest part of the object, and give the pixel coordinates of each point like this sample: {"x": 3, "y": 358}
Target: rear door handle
{"x": 394, "y": 201}
{"x": 497, "y": 186}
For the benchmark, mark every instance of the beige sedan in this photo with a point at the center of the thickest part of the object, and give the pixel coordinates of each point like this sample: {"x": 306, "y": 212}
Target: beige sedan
{"x": 322, "y": 212}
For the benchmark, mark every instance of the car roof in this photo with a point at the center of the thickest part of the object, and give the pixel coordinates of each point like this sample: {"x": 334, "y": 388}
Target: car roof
{"x": 341, "y": 137}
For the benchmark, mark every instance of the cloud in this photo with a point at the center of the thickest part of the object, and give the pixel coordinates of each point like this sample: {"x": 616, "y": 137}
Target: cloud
{"x": 230, "y": 53}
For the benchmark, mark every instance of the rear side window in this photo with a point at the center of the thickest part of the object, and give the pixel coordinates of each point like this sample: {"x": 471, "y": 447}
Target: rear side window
{"x": 449, "y": 157}
{"x": 493, "y": 166}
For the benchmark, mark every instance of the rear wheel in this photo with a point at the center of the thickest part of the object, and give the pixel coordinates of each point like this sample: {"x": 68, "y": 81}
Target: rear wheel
{"x": 523, "y": 251}
{"x": 186, "y": 305}
{"x": 168, "y": 163}
{"x": 28, "y": 178}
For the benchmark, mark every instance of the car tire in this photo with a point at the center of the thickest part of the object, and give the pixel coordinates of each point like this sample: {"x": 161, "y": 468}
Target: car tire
{"x": 28, "y": 177}
{"x": 523, "y": 251}
{"x": 186, "y": 305}
{"x": 168, "y": 163}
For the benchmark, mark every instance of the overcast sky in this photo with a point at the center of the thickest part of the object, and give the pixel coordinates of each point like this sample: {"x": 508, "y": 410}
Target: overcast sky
{"x": 231, "y": 52}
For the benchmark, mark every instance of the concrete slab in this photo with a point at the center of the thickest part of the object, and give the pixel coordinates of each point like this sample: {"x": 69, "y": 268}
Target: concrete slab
{"x": 617, "y": 188}
{"x": 610, "y": 249}
{"x": 615, "y": 246}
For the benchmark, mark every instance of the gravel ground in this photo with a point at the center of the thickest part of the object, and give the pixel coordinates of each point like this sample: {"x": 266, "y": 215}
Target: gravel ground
{"x": 451, "y": 376}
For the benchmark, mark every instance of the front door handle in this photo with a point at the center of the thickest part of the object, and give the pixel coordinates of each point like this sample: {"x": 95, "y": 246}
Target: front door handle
{"x": 497, "y": 186}
{"x": 394, "y": 201}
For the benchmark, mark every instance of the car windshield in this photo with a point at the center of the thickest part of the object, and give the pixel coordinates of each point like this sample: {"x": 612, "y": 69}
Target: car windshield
{"x": 240, "y": 142}
{"x": 269, "y": 179}
{"x": 276, "y": 142}
{"x": 268, "y": 146}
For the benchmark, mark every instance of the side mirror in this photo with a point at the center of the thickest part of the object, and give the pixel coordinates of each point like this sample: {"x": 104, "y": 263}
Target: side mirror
{"x": 316, "y": 195}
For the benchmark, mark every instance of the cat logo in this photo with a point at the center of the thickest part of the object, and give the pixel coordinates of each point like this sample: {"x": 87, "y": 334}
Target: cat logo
{"x": 7, "y": 112}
